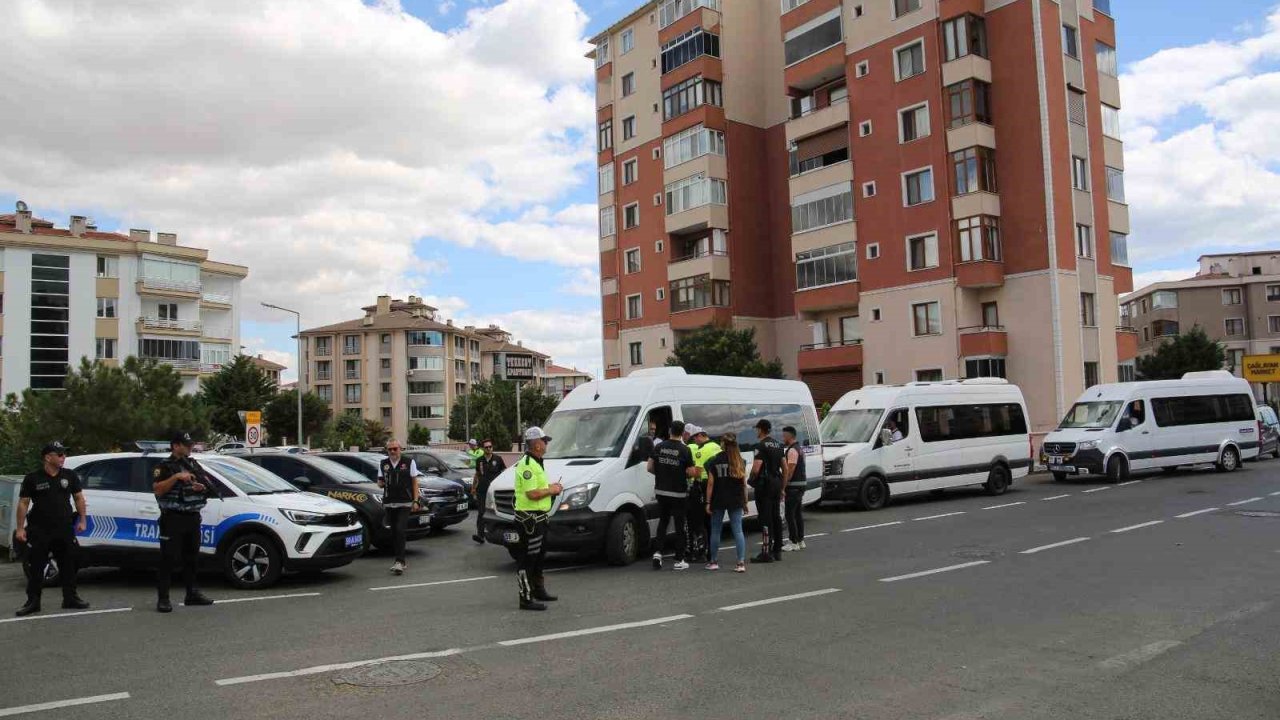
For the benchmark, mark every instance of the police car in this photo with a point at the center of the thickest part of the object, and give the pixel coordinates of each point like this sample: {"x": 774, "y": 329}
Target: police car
{"x": 253, "y": 529}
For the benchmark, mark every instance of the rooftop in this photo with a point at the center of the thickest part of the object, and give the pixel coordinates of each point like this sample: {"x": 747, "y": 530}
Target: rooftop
{"x": 266, "y": 364}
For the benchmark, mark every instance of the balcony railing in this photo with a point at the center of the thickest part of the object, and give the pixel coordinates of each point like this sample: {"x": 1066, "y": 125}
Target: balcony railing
{"x": 349, "y": 350}
{"x": 817, "y": 108}
{"x": 324, "y": 375}
{"x": 970, "y": 329}
{"x": 1126, "y": 328}
{"x": 835, "y": 344}
{"x": 166, "y": 284}
{"x": 177, "y": 363}
{"x": 214, "y": 297}
{"x": 217, "y": 331}
{"x": 324, "y": 350}
{"x": 352, "y": 375}
{"x": 210, "y": 367}
{"x": 673, "y": 10}
{"x": 701, "y": 254}
{"x": 156, "y": 323}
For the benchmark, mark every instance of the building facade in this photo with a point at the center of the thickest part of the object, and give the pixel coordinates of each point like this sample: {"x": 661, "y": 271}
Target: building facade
{"x": 76, "y": 292}
{"x": 269, "y": 368}
{"x": 561, "y": 381}
{"x": 913, "y": 189}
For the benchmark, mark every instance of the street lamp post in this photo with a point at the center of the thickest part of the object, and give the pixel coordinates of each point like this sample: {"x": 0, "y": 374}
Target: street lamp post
{"x": 297, "y": 316}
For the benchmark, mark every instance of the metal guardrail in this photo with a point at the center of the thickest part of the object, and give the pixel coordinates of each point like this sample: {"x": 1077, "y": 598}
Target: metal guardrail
{"x": 164, "y": 324}
{"x": 164, "y": 284}
{"x": 827, "y": 345}
{"x": 216, "y": 298}
{"x": 970, "y": 329}
{"x": 702, "y": 254}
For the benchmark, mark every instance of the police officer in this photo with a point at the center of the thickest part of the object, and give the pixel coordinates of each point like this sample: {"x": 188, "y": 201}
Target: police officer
{"x": 793, "y": 487}
{"x": 488, "y": 467}
{"x": 181, "y": 488}
{"x": 534, "y": 496}
{"x": 474, "y": 453}
{"x": 398, "y": 476}
{"x": 766, "y": 478}
{"x": 704, "y": 448}
{"x": 45, "y": 524}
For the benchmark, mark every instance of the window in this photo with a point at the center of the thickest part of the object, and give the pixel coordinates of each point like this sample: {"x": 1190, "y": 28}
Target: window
{"x": 822, "y": 208}
{"x": 864, "y": 128}
{"x": 425, "y": 337}
{"x": 1232, "y": 296}
{"x": 963, "y": 36}
{"x": 660, "y": 294}
{"x": 1079, "y": 173}
{"x": 978, "y": 238}
{"x": 917, "y": 187}
{"x": 633, "y": 307}
{"x": 323, "y": 346}
{"x": 1273, "y": 323}
{"x": 673, "y": 10}
{"x": 350, "y": 344}
{"x": 1088, "y": 312}
{"x": 1107, "y": 60}
{"x": 1084, "y": 241}
{"x": 633, "y": 260}
{"x": 1090, "y": 374}
{"x": 1164, "y": 299}
{"x": 108, "y": 266}
{"x": 602, "y": 53}
{"x": 105, "y": 348}
{"x": 607, "y": 222}
{"x": 695, "y": 191}
{"x": 862, "y": 69}
{"x": 634, "y": 353}
{"x": 1146, "y": 334}
{"x": 1202, "y": 409}
{"x": 789, "y": 5}
{"x": 169, "y": 349}
{"x": 690, "y": 95}
{"x": 966, "y": 422}
{"x": 420, "y": 387}
{"x": 183, "y": 276}
{"x": 902, "y": 7}
{"x": 628, "y": 84}
{"x": 1273, "y": 293}
{"x": 826, "y": 266}
{"x": 975, "y": 170}
{"x": 426, "y": 412}
{"x": 869, "y": 189}
{"x": 1164, "y": 328}
{"x": 689, "y": 144}
{"x": 984, "y": 367}
{"x": 741, "y": 417}
{"x": 325, "y": 393}
{"x": 167, "y": 311}
{"x": 1075, "y": 106}
{"x": 990, "y": 315}
{"x": 658, "y": 246}
{"x": 698, "y": 292}
{"x": 107, "y": 307}
{"x": 909, "y": 60}
{"x": 628, "y": 127}
{"x": 875, "y": 315}
{"x": 1126, "y": 372}
{"x": 352, "y": 369}
{"x": 1070, "y": 41}
{"x": 926, "y": 319}
{"x": 605, "y": 134}
{"x": 913, "y": 123}
{"x": 1119, "y": 249}
{"x": 352, "y": 393}
{"x": 425, "y": 362}
{"x": 813, "y": 37}
{"x": 323, "y": 371}
{"x": 816, "y": 162}
{"x": 628, "y": 41}
{"x": 922, "y": 252}
{"x": 873, "y": 251}
{"x": 689, "y": 47}
{"x": 1110, "y": 121}
{"x": 630, "y": 171}
{"x": 1235, "y": 326}
{"x": 879, "y": 376}
{"x": 968, "y": 101}
{"x": 1235, "y": 359}
{"x": 631, "y": 216}
{"x": 1115, "y": 184}
{"x": 932, "y": 375}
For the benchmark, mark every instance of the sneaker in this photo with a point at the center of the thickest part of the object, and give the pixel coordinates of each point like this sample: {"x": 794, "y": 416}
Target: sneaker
{"x": 742, "y": 567}
{"x": 478, "y": 540}
{"x": 657, "y": 561}
{"x": 713, "y": 566}
{"x": 397, "y": 568}
{"x": 789, "y": 547}
{"x": 680, "y": 565}
{"x": 803, "y": 546}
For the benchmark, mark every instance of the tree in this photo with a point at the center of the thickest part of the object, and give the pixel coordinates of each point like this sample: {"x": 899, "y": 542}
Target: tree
{"x": 280, "y": 416}
{"x": 419, "y": 435}
{"x": 239, "y": 385}
{"x": 344, "y": 431}
{"x": 375, "y": 434}
{"x": 714, "y": 350}
{"x": 493, "y": 411}
{"x": 1190, "y": 351}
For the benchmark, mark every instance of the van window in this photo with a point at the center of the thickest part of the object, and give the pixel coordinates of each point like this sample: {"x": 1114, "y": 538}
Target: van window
{"x": 1202, "y": 409}
{"x": 1096, "y": 414}
{"x": 741, "y": 418}
{"x": 590, "y": 433}
{"x": 961, "y": 422}
{"x": 850, "y": 426}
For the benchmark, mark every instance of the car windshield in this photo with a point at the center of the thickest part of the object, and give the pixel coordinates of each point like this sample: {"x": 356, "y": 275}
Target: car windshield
{"x": 337, "y": 471}
{"x": 1095, "y": 414}
{"x": 850, "y": 426}
{"x": 593, "y": 433}
{"x": 456, "y": 459}
{"x": 249, "y": 478}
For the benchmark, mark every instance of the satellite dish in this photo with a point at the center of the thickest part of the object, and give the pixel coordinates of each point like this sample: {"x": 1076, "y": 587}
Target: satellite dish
{"x": 22, "y": 206}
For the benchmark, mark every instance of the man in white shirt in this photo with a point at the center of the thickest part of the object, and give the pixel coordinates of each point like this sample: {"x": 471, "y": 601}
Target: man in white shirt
{"x": 398, "y": 476}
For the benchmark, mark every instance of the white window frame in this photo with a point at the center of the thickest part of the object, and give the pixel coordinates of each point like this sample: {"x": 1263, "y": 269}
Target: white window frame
{"x": 708, "y": 194}
{"x": 659, "y": 246}
{"x": 911, "y": 314}
{"x": 1111, "y": 121}
{"x": 635, "y": 353}
{"x": 626, "y": 209}
{"x": 924, "y": 60}
{"x": 606, "y": 178}
{"x": 632, "y": 166}
{"x": 876, "y": 315}
{"x": 936, "y": 251}
{"x": 814, "y": 24}
{"x": 1080, "y": 180}
{"x": 928, "y": 129}
{"x": 1110, "y": 68}
{"x": 873, "y": 251}
{"x": 626, "y": 261}
{"x": 698, "y": 140}
{"x": 608, "y": 222}
{"x": 916, "y": 374}
{"x": 1238, "y": 293}
{"x": 1085, "y": 247}
{"x": 893, "y": 9}
{"x": 1273, "y": 323}
{"x": 864, "y": 128}
{"x": 820, "y": 195}
{"x": 1075, "y": 40}
{"x": 628, "y": 83}
{"x": 862, "y": 69}
{"x": 629, "y": 121}
{"x": 1092, "y": 307}
{"x": 879, "y": 376}
{"x": 869, "y": 189}
{"x": 1273, "y": 296}
{"x": 661, "y": 294}
{"x": 111, "y": 269}
{"x": 108, "y": 302}
{"x": 626, "y": 41}
{"x": 602, "y": 53}
{"x": 933, "y": 192}
{"x": 106, "y": 348}
{"x": 1226, "y": 326}
{"x": 639, "y": 304}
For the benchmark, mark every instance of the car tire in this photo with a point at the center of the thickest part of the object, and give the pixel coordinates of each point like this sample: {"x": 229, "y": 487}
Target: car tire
{"x": 52, "y": 575}
{"x": 369, "y": 544}
{"x": 1059, "y": 476}
{"x": 997, "y": 481}
{"x": 1229, "y": 460}
{"x": 622, "y": 540}
{"x": 252, "y": 561}
{"x": 873, "y": 493}
{"x": 1117, "y": 469}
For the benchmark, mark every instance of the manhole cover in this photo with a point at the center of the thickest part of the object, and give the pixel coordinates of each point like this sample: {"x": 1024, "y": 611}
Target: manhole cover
{"x": 389, "y": 674}
{"x": 1258, "y": 513}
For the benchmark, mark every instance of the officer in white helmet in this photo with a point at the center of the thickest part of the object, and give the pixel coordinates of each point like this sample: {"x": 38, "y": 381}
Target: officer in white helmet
{"x": 534, "y": 497}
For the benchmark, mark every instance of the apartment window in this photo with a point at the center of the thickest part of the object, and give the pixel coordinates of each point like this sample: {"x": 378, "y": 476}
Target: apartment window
{"x": 1273, "y": 323}
{"x": 1146, "y": 334}
{"x": 1235, "y": 326}
{"x": 695, "y": 191}
{"x": 420, "y": 387}
{"x": 633, "y": 261}
{"x": 606, "y": 178}
{"x": 926, "y": 318}
{"x": 426, "y": 412}
{"x": 606, "y": 135}
{"x": 628, "y": 127}
{"x": 660, "y": 294}
{"x": 978, "y": 238}
{"x": 990, "y": 315}
{"x": 1079, "y": 173}
{"x": 350, "y": 344}
{"x": 1164, "y": 299}
{"x": 631, "y": 216}
{"x": 698, "y": 292}
{"x": 425, "y": 337}
{"x": 602, "y": 53}
{"x": 1075, "y": 106}
{"x": 879, "y": 377}
{"x": 864, "y": 128}
{"x": 1126, "y": 372}
{"x": 862, "y": 69}
{"x": 426, "y": 362}
{"x": 822, "y": 208}
{"x": 812, "y": 161}
{"x": 1115, "y": 184}
{"x": 826, "y": 266}
{"x": 323, "y": 371}
{"x": 628, "y": 84}
{"x": 108, "y": 266}
{"x": 1273, "y": 293}
{"x": 607, "y": 222}
{"x": 902, "y": 7}
{"x": 107, "y": 307}
{"x": 167, "y": 311}
{"x": 689, "y": 47}
{"x": 1107, "y": 60}
{"x": 984, "y": 367}
{"x": 634, "y": 309}
{"x": 689, "y": 144}
{"x": 875, "y": 315}
{"x": 909, "y": 60}
{"x": 1088, "y": 312}
{"x": 105, "y": 348}
{"x": 1119, "y": 249}
{"x": 869, "y": 189}
{"x": 1070, "y": 41}
{"x": 385, "y": 339}
{"x": 964, "y": 35}
{"x": 1232, "y": 296}
{"x": 1084, "y": 241}
{"x": 1235, "y": 359}
{"x": 1110, "y": 121}
{"x": 634, "y": 353}
{"x": 658, "y": 246}
{"x": 690, "y": 95}
{"x": 975, "y": 170}
{"x": 325, "y": 393}
{"x": 789, "y": 5}
{"x": 913, "y": 123}
{"x": 873, "y": 251}
{"x": 323, "y": 346}
{"x": 922, "y": 252}
{"x": 352, "y": 393}
{"x": 352, "y": 369}
{"x": 811, "y": 38}
{"x": 628, "y": 41}
{"x": 1090, "y": 374}
{"x": 968, "y": 101}
{"x": 917, "y": 187}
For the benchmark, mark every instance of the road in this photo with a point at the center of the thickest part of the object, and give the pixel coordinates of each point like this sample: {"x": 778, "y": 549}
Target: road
{"x": 1153, "y": 599}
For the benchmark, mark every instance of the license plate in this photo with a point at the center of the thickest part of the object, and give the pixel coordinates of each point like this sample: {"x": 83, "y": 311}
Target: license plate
{"x": 511, "y": 537}
{"x": 1062, "y": 468}
{"x": 462, "y": 507}
{"x": 1055, "y": 459}
{"x": 354, "y": 541}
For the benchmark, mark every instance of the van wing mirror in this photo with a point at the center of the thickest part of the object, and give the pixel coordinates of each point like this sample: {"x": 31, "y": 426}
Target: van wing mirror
{"x": 886, "y": 436}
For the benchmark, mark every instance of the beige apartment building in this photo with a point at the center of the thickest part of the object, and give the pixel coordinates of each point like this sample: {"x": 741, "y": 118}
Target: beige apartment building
{"x": 269, "y": 368}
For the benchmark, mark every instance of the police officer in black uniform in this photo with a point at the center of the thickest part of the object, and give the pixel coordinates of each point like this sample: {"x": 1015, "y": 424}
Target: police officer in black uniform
{"x": 766, "y": 479}
{"x": 45, "y": 523}
{"x": 181, "y": 487}
{"x": 488, "y": 467}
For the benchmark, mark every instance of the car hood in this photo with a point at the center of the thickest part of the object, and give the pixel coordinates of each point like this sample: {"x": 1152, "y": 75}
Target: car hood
{"x": 1074, "y": 435}
{"x": 431, "y": 482}
{"x": 303, "y": 501}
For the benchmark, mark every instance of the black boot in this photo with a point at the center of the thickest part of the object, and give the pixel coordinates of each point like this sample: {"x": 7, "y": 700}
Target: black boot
{"x": 531, "y": 605}
{"x": 540, "y": 593}
{"x": 195, "y": 597}
{"x": 74, "y": 602}
{"x": 163, "y": 605}
{"x": 32, "y": 606}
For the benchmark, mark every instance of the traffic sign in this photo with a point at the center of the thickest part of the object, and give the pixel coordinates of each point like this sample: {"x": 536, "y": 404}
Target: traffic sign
{"x": 253, "y": 428}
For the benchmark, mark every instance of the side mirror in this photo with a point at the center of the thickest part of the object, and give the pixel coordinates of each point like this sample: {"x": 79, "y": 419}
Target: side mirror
{"x": 886, "y": 436}
{"x": 434, "y": 471}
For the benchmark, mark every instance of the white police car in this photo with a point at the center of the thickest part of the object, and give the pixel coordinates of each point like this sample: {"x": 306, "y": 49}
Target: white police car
{"x": 255, "y": 528}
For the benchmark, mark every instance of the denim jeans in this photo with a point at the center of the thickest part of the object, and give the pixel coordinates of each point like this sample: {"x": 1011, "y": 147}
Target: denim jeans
{"x": 735, "y": 524}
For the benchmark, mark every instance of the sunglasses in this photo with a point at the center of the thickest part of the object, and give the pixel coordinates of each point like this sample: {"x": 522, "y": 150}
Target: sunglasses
{"x": 488, "y": 447}
{"x": 59, "y": 453}
{"x": 393, "y": 449}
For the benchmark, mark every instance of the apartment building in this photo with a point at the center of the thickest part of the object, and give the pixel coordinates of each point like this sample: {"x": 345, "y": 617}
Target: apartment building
{"x": 269, "y": 368}
{"x": 561, "y": 381}
{"x": 507, "y": 358}
{"x": 933, "y": 189}
{"x": 78, "y": 292}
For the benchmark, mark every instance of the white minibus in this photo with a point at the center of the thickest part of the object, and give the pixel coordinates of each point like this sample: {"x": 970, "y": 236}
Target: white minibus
{"x": 608, "y": 504}
{"x": 885, "y": 441}
{"x": 1206, "y": 417}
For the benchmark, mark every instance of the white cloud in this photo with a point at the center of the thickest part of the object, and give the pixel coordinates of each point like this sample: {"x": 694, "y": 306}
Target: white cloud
{"x": 583, "y": 281}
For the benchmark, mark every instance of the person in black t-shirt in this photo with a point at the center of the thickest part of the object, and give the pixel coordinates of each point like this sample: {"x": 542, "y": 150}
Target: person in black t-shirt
{"x": 766, "y": 478}
{"x": 48, "y": 526}
{"x": 488, "y": 467}
{"x": 672, "y": 467}
{"x": 727, "y": 493}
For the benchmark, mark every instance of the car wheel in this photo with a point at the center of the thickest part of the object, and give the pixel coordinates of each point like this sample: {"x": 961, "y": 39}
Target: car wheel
{"x": 251, "y": 562}
{"x": 873, "y": 494}
{"x": 1059, "y": 476}
{"x": 622, "y": 540}
{"x": 998, "y": 481}
{"x": 52, "y": 575}
{"x": 1229, "y": 460}
{"x": 369, "y": 544}
{"x": 1117, "y": 469}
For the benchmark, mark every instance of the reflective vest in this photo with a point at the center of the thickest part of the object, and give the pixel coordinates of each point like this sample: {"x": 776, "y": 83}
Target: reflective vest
{"x": 530, "y": 475}
{"x": 702, "y": 455}
{"x": 474, "y": 456}
{"x": 797, "y": 477}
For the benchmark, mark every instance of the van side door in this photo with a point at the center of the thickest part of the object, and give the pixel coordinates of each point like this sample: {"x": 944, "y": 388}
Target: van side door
{"x": 1136, "y": 435}
{"x": 898, "y": 458}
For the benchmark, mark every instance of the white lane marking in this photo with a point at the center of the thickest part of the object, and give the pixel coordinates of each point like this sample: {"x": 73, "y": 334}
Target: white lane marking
{"x": 1057, "y": 497}
{"x": 593, "y": 631}
{"x": 65, "y": 615}
{"x": 1051, "y": 546}
{"x": 333, "y": 667}
{"x": 563, "y": 569}
{"x": 935, "y": 517}
{"x": 437, "y": 582}
{"x": 1139, "y": 656}
{"x": 1196, "y": 512}
{"x": 997, "y": 507}
{"x": 1243, "y": 502}
{"x": 265, "y": 597}
{"x": 872, "y": 527}
{"x": 1131, "y": 482}
{"x": 1274, "y": 493}
{"x": 814, "y": 535}
{"x": 1138, "y": 526}
{"x": 1100, "y": 489}
{"x": 58, "y": 704}
{"x": 784, "y": 598}
{"x": 935, "y": 571}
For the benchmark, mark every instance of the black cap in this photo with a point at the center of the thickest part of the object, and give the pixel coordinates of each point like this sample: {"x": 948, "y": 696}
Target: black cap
{"x": 181, "y": 438}
{"x": 764, "y": 424}
{"x": 53, "y": 447}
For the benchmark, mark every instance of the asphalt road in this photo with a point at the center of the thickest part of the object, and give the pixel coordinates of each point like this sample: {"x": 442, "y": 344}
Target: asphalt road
{"x": 1155, "y": 599}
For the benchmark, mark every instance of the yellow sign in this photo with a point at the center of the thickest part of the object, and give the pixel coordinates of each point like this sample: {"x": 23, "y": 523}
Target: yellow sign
{"x": 1262, "y": 368}
{"x": 253, "y": 417}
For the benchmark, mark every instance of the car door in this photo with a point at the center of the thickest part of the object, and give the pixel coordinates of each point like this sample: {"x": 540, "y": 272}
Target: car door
{"x": 116, "y": 494}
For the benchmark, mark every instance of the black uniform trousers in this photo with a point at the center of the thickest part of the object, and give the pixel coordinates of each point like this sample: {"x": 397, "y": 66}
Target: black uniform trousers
{"x": 43, "y": 542}
{"x": 698, "y": 521}
{"x": 795, "y": 511}
{"x": 398, "y": 520}
{"x": 531, "y": 550}
{"x": 768, "y": 499}
{"x": 671, "y": 510}
{"x": 482, "y": 491}
{"x": 179, "y": 544}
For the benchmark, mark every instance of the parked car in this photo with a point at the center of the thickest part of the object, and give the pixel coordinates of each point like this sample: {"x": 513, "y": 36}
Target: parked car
{"x": 1269, "y": 425}
{"x": 229, "y": 446}
{"x": 447, "y": 501}
{"x": 449, "y": 464}
{"x": 254, "y": 528}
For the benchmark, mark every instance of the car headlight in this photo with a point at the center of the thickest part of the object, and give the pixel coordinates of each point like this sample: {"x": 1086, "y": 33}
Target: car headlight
{"x": 302, "y": 517}
{"x": 1087, "y": 445}
{"x": 579, "y": 497}
{"x": 836, "y": 467}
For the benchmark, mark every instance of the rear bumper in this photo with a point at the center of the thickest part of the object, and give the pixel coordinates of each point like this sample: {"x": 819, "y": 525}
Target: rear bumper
{"x": 568, "y": 531}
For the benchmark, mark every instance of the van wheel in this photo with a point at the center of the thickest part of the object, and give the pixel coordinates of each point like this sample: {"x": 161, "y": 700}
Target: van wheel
{"x": 873, "y": 494}
{"x": 1059, "y": 476}
{"x": 622, "y": 540}
{"x": 998, "y": 481}
{"x": 1117, "y": 469}
{"x": 251, "y": 562}
{"x": 1230, "y": 460}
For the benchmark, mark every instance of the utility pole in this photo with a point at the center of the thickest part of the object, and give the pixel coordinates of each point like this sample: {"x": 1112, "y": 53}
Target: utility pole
{"x": 519, "y": 424}
{"x": 466, "y": 410}
{"x": 297, "y": 316}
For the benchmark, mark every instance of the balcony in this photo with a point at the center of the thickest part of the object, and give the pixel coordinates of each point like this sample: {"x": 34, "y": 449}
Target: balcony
{"x": 1123, "y": 279}
{"x": 821, "y": 357}
{"x": 818, "y": 120}
{"x": 672, "y": 10}
{"x": 828, "y": 297}
{"x": 323, "y": 375}
{"x": 1126, "y": 343}
{"x": 712, "y": 263}
{"x": 219, "y": 332}
{"x": 695, "y": 318}
{"x": 980, "y": 274}
{"x": 1103, "y": 6}
{"x": 176, "y": 327}
{"x": 822, "y": 176}
{"x": 216, "y": 299}
{"x": 817, "y": 68}
{"x": 981, "y": 340}
{"x": 701, "y": 217}
{"x": 163, "y": 287}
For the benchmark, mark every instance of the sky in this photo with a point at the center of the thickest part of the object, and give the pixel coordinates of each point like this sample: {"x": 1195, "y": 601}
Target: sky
{"x": 347, "y": 148}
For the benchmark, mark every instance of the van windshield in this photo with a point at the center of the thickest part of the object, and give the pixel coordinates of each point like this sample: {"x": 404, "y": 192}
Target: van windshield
{"x": 850, "y": 426}
{"x": 1096, "y": 414}
{"x": 592, "y": 433}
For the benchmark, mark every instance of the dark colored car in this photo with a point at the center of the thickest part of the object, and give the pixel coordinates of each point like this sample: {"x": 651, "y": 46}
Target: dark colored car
{"x": 447, "y": 500}
{"x": 1269, "y": 424}
{"x": 453, "y": 465}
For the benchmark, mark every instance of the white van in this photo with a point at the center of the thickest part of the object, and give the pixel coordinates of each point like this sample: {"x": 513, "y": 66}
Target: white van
{"x": 608, "y": 502}
{"x": 1206, "y": 417}
{"x": 882, "y": 441}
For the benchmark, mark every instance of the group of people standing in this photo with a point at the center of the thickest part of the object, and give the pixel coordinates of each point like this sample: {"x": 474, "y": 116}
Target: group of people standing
{"x": 699, "y": 482}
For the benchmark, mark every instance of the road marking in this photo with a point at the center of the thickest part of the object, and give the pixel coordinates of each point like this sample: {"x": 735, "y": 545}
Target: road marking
{"x": 1196, "y": 512}
{"x": 265, "y": 597}
{"x": 1139, "y": 656}
{"x": 65, "y": 615}
{"x": 872, "y": 527}
{"x": 563, "y": 569}
{"x": 1243, "y": 502}
{"x": 1138, "y": 526}
{"x": 593, "y": 631}
{"x": 997, "y": 507}
{"x": 437, "y": 582}
{"x": 58, "y": 704}
{"x": 1099, "y": 489}
{"x": 1131, "y": 482}
{"x": 935, "y": 517}
{"x": 814, "y": 535}
{"x": 1056, "y": 497}
{"x": 935, "y": 571}
{"x": 784, "y": 598}
{"x": 1051, "y": 546}
{"x": 333, "y": 667}
{"x": 1274, "y": 493}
